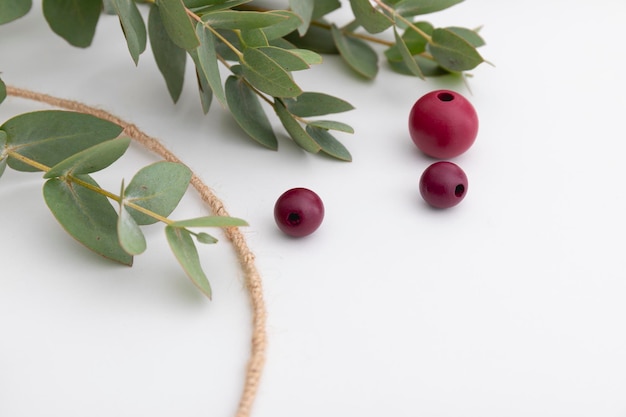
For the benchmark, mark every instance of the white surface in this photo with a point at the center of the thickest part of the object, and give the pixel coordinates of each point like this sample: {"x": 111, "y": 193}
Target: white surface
{"x": 511, "y": 304}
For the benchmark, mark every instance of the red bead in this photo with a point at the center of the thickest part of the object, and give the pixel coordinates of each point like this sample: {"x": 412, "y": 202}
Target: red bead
{"x": 443, "y": 184}
{"x": 299, "y": 212}
{"x": 443, "y": 124}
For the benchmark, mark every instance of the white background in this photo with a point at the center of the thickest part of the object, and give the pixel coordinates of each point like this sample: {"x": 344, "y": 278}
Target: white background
{"x": 511, "y": 304}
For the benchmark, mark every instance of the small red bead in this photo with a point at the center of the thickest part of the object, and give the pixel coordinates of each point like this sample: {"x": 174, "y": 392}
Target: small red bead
{"x": 443, "y": 184}
{"x": 443, "y": 124}
{"x": 299, "y": 212}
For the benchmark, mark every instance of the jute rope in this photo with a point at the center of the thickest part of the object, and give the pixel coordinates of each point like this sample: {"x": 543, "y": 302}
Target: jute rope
{"x": 253, "y": 280}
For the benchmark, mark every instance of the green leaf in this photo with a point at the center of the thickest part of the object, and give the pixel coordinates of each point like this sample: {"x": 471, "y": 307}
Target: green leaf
{"x": 267, "y": 75}
{"x": 295, "y": 130}
{"x": 90, "y": 160}
{"x": 248, "y": 113}
{"x": 310, "y": 104}
{"x": 211, "y": 221}
{"x": 3, "y": 158}
{"x": 131, "y": 237}
{"x": 323, "y": 7}
{"x": 169, "y": 57}
{"x": 316, "y": 39}
{"x": 285, "y": 58}
{"x": 205, "y": 238}
{"x": 332, "y": 125}
{"x": 3, "y": 89}
{"x": 253, "y": 38}
{"x": 328, "y": 144}
{"x": 50, "y": 136}
{"x": 419, "y": 7}
{"x": 414, "y": 41}
{"x": 159, "y": 188}
{"x": 471, "y": 36}
{"x": 358, "y": 54}
{"x": 453, "y": 52}
{"x": 177, "y": 24}
{"x": 13, "y": 9}
{"x": 291, "y": 22}
{"x": 367, "y": 16}
{"x": 133, "y": 26}
{"x": 304, "y": 9}
{"x": 209, "y": 63}
{"x": 186, "y": 253}
{"x": 406, "y": 55}
{"x": 75, "y": 21}
{"x": 310, "y": 57}
{"x": 87, "y": 216}
{"x": 204, "y": 88}
{"x": 232, "y": 19}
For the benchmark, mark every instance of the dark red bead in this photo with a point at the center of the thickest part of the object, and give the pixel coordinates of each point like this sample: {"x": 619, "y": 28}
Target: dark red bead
{"x": 299, "y": 212}
{"x": 443, "y": 124}
{"x": 443, "y": 184}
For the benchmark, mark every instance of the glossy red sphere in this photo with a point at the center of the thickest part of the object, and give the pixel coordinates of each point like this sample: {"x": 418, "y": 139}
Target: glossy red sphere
{"x": 299, "y": 212}
{"x": 443, "y": 124}
{"x": 443, "y": 184}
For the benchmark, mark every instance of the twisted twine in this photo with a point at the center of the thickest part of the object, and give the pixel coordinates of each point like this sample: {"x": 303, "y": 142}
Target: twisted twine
{"x": 245, "y": 256}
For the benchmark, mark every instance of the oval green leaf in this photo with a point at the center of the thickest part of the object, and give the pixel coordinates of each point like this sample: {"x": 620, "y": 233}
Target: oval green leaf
{"x": 204, "y": 88}
{"x": 267, "y": 75}
{"x": 177, "y": 24}
{"x": 233, "y": 19}
{"x": 3, "y": 158}
{"x": 170, "y": 58}
{"x": 332, "y": 125}
{"x": 285, "y": 58}
{"x": 453, "y": 52}
{"x": 92, "y": 159}
{"x": 209, "y": 62}
{"x": 304, "y": 9}
{"x": 367, "y": 16}
{"x": 3, "y": 90}
{"x": 50, "y": 136}
{"x": 291, "y": 22}
{"x": 133, "y": 26}
{"x": 205, "y": 238}
{"x": 131, "y": 237}
{"x": 295, "y": 129}
{"x": 75, "y": 21}
{"x": 246, "y": 108}
{"x": 158, "y": 188}
{"x": 184, "y": 249}
{"x": 13, "y": 9}
{"x": 211, "y": 221}
{"x": 87, "y": 216}
{"x": 310, "y": 104}
{"x": 328, "y": 144}
{"x": 407, "y": 57}
{"x": 357, "y": 54}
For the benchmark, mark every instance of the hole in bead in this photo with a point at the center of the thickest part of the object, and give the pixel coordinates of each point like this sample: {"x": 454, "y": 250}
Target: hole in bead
{"x": 459, "y": 190}
{"x": 294, "y": 219}
{"x": 445, "y": 96}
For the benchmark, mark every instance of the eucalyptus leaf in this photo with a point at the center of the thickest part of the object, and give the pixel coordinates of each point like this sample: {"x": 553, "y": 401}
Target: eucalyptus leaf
{"x": 206, "y": 6}
{"x": 253, "y": 38}
{"x": 133, "y": 26}
{"x": 304, "y": 9}
{"x": 407, "y": 57}
{"x": 291, "y": 22}
{"x": 170, "y": 58}
{"x": 471, "y": 36}
{"x": 328, "y": 144}
{"x": 209, "y": 62}
{"x": 415, "y": 42}
{"x": 367, "y": 16}
{"x": 248, "y": 113}
{"x": 310, "y": 104}
{"x": 3, "y": 158}
{"x": 92, "y": 159}
{"x": 131, "y": 237}
{"x": 159, "y": 188}
{"x": 316, "y": 39}
{"x": 237, "y": 19}
{"x": 75, "y": 21}
{"x": 285, "y": 58}
{"x": 204, "y": 88}
{"x": 182, "y": 246}
{"x": 267, "y": 75}
{"x": 13, "y": 9}
{"x": 87, "y": 216}
{"x": 295, "y": 129}
{"x": 453, "y": 52}
{"x": 310, "y": 57}
{"x": 332, "y": 125}
{"x": 50, "y": 136}
{"x": 323, "y": 7}
{"x": 211, "y": 221}
{"x": 3, "y": 90}
{"x": 206, "y": 238}
{"x": 177, "y": 24}
{"x": 419, "y": 7}
{"x": 357, "y": 54}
